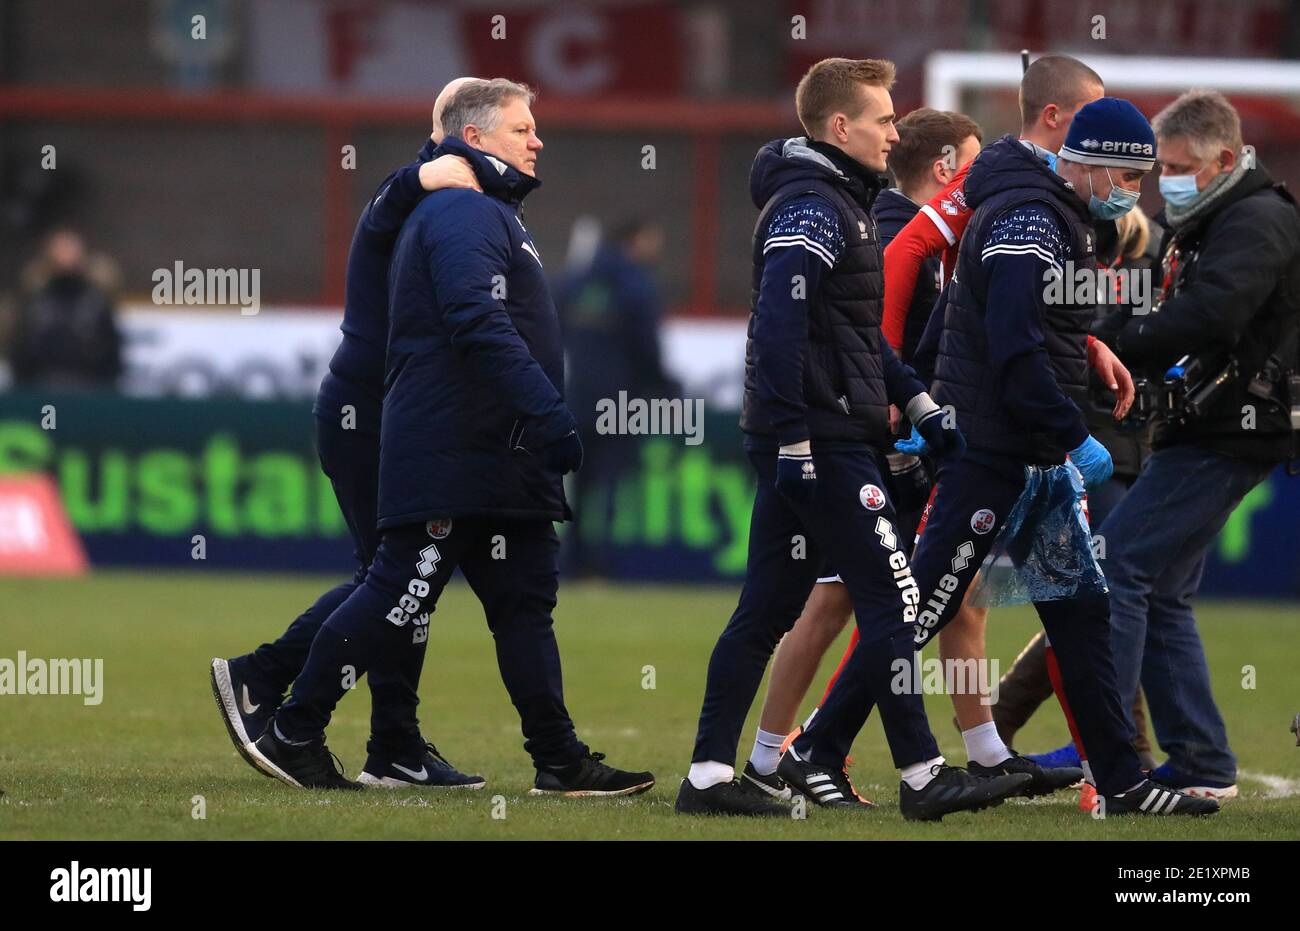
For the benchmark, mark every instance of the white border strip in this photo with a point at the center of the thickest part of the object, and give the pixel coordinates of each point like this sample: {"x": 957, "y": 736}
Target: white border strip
{"x": 948, "y": 73}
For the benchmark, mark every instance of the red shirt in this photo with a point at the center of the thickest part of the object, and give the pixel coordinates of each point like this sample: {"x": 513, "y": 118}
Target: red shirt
{"x": 934, "y": 231}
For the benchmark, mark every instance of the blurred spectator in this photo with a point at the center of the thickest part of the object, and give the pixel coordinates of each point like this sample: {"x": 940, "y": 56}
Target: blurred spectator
{"x": 64, "y": 331}
{"x": 611, "y": 312}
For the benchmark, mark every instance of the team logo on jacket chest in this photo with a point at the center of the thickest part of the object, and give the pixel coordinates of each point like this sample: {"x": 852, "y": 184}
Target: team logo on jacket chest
{"x": 872, "y": 498}
{"x": 983, "y": 520}
{"x": 438, "y": 529}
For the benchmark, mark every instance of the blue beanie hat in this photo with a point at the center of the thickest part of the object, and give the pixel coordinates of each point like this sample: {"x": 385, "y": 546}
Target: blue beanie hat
{"x": 1113, "y": 132}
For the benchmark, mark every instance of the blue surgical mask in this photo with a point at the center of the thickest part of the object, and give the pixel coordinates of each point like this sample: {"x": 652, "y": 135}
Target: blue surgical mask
{"x": 1116, "y": 204}
{"x": 1178, "y": 190}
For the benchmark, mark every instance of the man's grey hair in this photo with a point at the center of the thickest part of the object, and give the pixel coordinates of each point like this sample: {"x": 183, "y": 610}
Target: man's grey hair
{"x": 479, "y": 102}
{"x": 1205, "y": 119}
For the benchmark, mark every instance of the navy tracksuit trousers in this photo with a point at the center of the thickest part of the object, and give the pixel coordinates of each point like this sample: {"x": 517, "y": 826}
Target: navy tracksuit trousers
{"x": 351, "y": 460}
{"x": 511, "y": 565}
{"x": 973, "y": 499}
{"x": 850, "y": 521}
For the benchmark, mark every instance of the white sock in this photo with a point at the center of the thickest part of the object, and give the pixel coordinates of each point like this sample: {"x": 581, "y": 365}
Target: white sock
{"x": 984, "y": 746}
{"x": 918, "y": 775}
{"x": 704, "y": 775}
{"x": 767, "y": 752}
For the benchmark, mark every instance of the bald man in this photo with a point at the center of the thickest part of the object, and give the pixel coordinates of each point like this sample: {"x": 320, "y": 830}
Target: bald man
{"x": 249, "y": 688}
{"x": 440, "y": 104}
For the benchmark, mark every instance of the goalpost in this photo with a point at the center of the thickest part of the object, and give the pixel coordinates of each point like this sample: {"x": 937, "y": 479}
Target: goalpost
{"x": 949, "y": 74}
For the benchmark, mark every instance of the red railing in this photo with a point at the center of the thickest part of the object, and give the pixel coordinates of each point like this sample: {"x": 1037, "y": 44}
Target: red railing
{"x": 706, "y": 123}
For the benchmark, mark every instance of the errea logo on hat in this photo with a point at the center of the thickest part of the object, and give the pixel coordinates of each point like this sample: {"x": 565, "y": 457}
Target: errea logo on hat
{"x": 1111, "y": 132}
{"x": 1136, "y": 148}
{"x": 1110, "y": 145}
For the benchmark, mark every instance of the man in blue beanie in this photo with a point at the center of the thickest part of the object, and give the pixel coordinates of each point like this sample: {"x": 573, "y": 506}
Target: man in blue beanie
{"x": 1012, "y": 362}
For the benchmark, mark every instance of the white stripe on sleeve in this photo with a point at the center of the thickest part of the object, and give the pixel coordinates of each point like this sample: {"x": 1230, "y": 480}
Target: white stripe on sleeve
{"x": 1027, "y": 248}
{"x": 816, "y": 248}
{"x": 939, "y": 222}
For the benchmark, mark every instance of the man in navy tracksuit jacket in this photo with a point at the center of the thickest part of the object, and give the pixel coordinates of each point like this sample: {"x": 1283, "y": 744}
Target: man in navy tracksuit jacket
{"x": 475, "y": 439}
{"x": 819, "y": 378}
{"x": 347, "y": 415}
{"x": 347, "y": 410}
{"x": 1012, "y": 364}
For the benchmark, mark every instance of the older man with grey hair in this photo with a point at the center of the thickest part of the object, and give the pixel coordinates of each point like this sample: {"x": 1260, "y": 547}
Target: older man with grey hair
{"x": 250, "y": 688}
{"x": 1225, "y": 326}
{"x": 475, "y": 439}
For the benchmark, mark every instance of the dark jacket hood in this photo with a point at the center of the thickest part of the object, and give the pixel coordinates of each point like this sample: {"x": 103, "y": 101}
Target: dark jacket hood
{"x": 498, "y": 179}
{"x": 784, "y": 161}
{"x": 1009, "y": 163}
{"x": 893, "y": 209}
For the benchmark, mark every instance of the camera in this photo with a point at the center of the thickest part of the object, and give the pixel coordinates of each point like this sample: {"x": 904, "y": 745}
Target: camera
{"x": 1188, "y": 390}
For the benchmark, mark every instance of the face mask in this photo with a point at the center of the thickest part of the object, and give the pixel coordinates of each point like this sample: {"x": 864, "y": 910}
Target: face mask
{"x": 1118, "y": 203}
{"x": 1178, "y": 190}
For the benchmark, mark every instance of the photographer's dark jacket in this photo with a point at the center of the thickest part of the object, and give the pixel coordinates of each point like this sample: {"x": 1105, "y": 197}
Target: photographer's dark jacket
{"x": 816, "y": 364}
{"x": 475, "y": 364}
{"x": 1013, "y": 365}
{"x": 1233, "y": 287}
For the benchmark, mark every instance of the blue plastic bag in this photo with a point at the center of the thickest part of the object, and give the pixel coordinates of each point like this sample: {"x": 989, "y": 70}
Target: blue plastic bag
{"x": 1044, "y": 552}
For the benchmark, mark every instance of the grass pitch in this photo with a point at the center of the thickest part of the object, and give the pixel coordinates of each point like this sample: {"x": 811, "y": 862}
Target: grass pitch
{"x": 153, "y": 755}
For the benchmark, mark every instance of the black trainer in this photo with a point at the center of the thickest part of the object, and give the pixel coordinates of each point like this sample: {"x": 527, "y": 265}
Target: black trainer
{"x": 827, "y": 786}
{"x": 1151, "y": 798}
{"x": 1043, "y": 781}
{"x": 954, "y": 789}
{"x": 427, "y": 769}
{"x": 771, "y": 784}
{"x": 245, "y": 719}
{"x": 729, "y": 798}
{"x": 303, "y": 766}
{"x": 590, "y": 777}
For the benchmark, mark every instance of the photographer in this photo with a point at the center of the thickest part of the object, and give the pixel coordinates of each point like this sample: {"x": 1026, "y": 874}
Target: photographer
{"x": 1229, "y": 305}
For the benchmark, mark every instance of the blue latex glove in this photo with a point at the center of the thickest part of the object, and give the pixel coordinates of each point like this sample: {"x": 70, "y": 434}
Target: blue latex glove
{"x": 934, "y": 433}
{"x": 1093, "y": 462}
{"x": 914, "y": 445}
{"x": 942, "y": 438}
{"x": 796, "y": 475}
